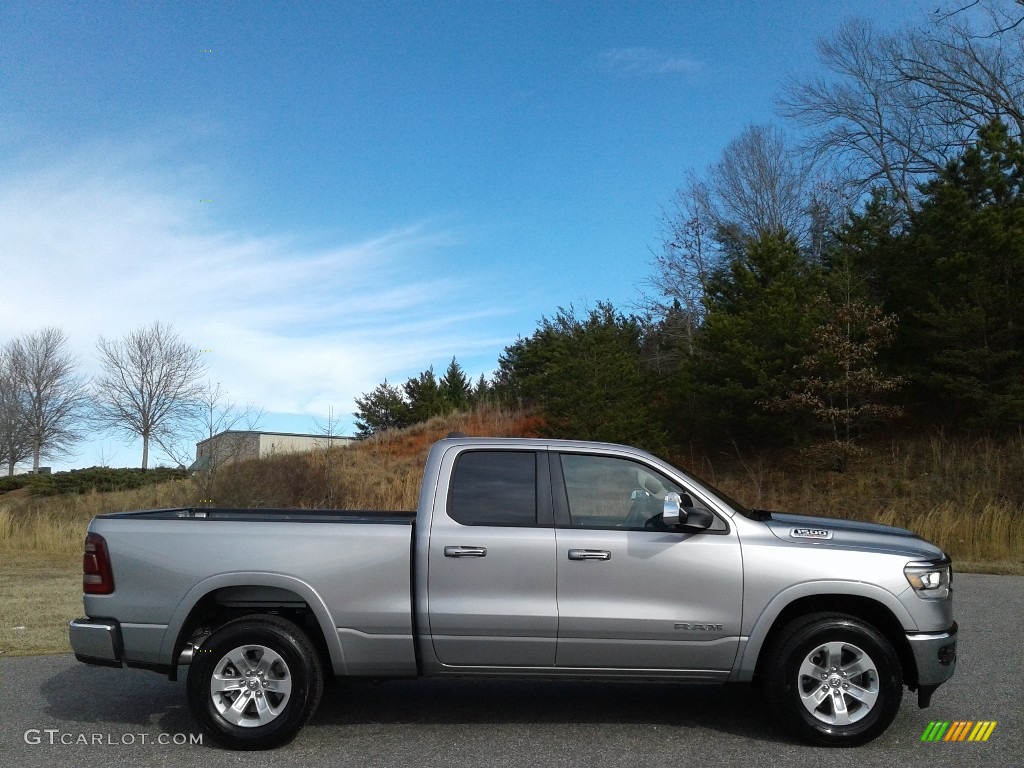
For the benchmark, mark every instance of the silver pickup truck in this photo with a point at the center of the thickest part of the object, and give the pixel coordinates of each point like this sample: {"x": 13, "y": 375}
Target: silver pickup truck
{"x": 525, "y": 558}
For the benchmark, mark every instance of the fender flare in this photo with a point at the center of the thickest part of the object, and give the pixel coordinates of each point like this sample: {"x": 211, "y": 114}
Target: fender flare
{"x": 751, "y": 648}
{"x": 172, "y": 642}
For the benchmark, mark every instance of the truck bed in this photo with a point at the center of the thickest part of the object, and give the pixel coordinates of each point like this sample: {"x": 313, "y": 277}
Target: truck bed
{"x": 169, "y": 563}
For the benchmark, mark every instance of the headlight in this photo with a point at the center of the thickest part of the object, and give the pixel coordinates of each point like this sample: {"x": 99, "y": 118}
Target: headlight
{"x": 930, "y": 580}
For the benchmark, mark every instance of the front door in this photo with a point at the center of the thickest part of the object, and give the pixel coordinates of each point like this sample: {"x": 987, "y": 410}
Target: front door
{"x": 633, "y": 594}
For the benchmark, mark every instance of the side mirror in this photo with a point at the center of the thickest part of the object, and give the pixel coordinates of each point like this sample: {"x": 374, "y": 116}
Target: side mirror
{"x": 677, "y": 512}
{"x": 671, "y": 513}
{"x": 698, "y": 518}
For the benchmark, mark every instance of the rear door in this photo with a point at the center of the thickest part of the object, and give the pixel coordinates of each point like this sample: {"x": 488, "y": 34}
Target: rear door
{"x": 491, "y": 562}
{"x": 633, "y": 594}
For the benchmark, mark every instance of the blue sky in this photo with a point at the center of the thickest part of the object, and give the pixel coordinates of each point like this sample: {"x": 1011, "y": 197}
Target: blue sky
{"x": 330, "y": 194}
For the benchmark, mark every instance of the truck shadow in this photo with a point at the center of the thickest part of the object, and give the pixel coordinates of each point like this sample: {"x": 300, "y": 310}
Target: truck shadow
{"x": 136, "y": 700}
{"x": 734, "y": 709}
{"x": 131, "y": 698}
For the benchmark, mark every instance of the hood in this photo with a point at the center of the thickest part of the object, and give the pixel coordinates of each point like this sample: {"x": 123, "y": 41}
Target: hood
{"x": 805, "y": 530}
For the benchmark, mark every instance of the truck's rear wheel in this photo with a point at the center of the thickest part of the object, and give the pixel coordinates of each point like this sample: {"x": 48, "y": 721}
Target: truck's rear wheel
{"x": 833, "y": 680}
{"x": 255, "y": 682}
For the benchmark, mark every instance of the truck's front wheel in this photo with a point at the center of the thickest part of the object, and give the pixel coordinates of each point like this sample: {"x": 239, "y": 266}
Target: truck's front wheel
{"x": 834, "y": 680}
{"x": 255, "y": 682}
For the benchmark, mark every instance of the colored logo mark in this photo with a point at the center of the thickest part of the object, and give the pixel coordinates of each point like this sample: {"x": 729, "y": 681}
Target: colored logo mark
{"x": 958, "y": 730}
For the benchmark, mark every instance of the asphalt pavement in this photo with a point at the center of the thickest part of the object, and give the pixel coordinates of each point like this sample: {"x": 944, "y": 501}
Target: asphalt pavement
{"x": 57, "y": 712}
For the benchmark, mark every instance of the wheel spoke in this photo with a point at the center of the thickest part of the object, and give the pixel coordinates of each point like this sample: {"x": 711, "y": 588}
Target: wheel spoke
{"x": 859, "y": 666}
{"x": 239, "y": 660}
{"x": 810, "y": 669}
{"x": 835, "y": 655}
{"x": 266, "y": 662}
{"x": 236, "y": 712}
{"x": 222, "y": 683}
{"x": 813, "y": 699}
{"x": 282, "y": 687}
{"x": 265, "y": 712}
{"x": 865, "y": 696}
{"x": 840, "y": 715}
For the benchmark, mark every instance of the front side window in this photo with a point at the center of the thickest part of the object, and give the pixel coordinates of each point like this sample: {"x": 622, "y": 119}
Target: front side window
{"x": 494, "y": 488}
{"x": 608, "y": 492}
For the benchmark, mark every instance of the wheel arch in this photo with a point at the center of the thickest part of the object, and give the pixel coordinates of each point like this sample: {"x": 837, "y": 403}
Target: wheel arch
{"x": 862, "y": 601}
{"x": 222, "y": 598}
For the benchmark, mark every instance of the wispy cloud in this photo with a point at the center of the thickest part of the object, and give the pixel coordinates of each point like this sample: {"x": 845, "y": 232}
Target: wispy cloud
{"x": 98, "y": 246}
{"x": 650, "y": 61}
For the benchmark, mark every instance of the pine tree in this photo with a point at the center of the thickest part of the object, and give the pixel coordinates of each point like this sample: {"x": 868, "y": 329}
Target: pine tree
{"x": 761, "y": 316}
{"x": 425, "y": 397}
{"x": 959, "y": 288}
{"x": 588, "y": 376}
{"x": 380, "y": 410}
{"x": 456, "y": 389}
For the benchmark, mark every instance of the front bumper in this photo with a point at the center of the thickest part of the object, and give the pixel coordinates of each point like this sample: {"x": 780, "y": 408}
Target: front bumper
{"x": 935, "y": 656}
{"x": 96, "y": 641}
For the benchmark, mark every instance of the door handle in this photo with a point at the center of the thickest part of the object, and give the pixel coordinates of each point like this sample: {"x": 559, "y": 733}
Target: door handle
{"x": 465, "y": 551}
{"x": 589, "y": 554}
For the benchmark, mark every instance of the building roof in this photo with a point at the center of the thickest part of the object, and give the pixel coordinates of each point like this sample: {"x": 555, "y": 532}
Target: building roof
{"x": 278, "y": 434}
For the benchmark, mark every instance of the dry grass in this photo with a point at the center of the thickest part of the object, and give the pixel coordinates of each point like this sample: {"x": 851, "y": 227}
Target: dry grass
{"x": 56, "y": 524}
{"x": 39, "y": 594}
{"x": 967, "y": 496}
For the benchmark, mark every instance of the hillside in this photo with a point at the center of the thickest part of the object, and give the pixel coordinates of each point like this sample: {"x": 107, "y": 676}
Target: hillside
{"x": 968, "y": 496}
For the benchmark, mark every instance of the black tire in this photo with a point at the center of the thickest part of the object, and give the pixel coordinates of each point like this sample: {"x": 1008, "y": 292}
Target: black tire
{"x": 255, "y": 682}
{"x": 861, "y": 690}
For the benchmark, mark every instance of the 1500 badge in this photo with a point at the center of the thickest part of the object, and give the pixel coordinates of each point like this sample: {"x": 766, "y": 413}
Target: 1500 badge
{"x": 810, "y": 533}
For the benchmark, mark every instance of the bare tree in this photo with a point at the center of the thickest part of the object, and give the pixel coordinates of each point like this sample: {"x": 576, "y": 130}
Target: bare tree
{"x": 684, "y": 264}
{"x": 221, "y": 414}
{"x": 840, "y": 385}
{"x": 149, "y": 386}
{"x": 215, "y": 413}
{"x": 760, "y": 186}
{"x": 15, "y": 435}
{"x": 218, "y": 414}
{"x": 1002, "y": 19}
{"x": 54, "y": 395}
{"x": 897, "y": 107}
{"x": 329, "y": 429}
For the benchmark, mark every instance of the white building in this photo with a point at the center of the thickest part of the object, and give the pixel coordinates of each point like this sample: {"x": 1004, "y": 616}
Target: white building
{"x": 236, "y": 445}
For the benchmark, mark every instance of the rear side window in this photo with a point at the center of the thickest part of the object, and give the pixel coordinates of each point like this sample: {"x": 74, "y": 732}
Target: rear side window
{"x": 494, "y": 488}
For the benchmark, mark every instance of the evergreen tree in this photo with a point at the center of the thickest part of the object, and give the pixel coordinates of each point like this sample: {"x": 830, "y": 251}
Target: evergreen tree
{"x": 761, "y": 316}
{"x": 958, "y": 289}
{"x": 456, "y": 389}
{"x": 588, "y": 376}
{"x": 382, "y": 409}
{"x": 482, "y": 391}
{"x": 425, "y": 397}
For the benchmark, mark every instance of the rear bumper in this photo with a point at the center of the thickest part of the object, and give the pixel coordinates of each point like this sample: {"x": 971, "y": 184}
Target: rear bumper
{"x": 96, "y": 641}
{"x": 935, "y": 655}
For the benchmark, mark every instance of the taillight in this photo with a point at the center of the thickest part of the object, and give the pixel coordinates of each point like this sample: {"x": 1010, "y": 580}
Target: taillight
{"x": 96, "y": 576}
